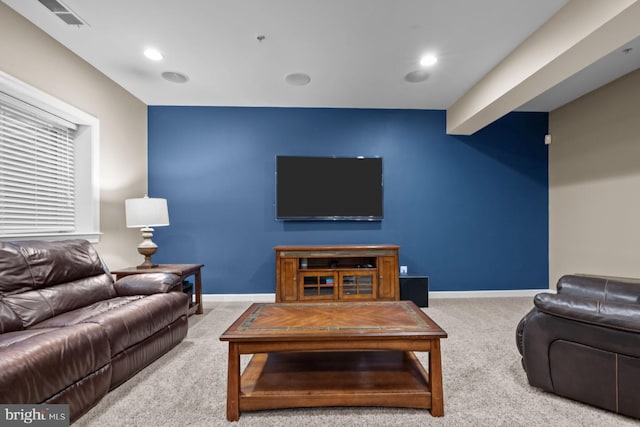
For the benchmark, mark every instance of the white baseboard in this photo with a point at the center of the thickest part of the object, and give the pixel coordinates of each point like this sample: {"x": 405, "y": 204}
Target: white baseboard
{"x": 432, "y": 294}
{"x": 487, "y": 294}
{"x": 239, "y": 297}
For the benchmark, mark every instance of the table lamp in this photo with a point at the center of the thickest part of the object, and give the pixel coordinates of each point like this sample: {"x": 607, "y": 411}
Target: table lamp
{"x": 146, "y": 213}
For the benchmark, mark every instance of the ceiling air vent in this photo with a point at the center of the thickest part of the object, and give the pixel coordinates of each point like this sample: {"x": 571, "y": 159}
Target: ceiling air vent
{"x": 62, "y": 12}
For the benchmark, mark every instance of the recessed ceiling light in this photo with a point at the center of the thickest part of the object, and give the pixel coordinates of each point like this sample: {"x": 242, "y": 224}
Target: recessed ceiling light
{"x": 428, "y": 60}
{"x": 153, "y": 54}
{"x": 417, "y": 76}
{"x": 297, "y": 79}
{"x": 175, "y": 77}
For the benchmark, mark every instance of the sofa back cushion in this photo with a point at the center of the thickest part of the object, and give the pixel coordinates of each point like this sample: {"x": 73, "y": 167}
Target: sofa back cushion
{"x": 40, "y": 279}
{"x": 38, "y": 264}
{"x": 15, "y": 275}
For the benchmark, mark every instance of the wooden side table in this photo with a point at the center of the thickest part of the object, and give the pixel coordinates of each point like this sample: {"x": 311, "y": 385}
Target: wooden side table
{"x": 182, "y": 270}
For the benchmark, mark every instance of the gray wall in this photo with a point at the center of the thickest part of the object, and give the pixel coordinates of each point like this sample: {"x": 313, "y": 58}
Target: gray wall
{"x": 594, "y": 183}
{"x": 30, "y": 55}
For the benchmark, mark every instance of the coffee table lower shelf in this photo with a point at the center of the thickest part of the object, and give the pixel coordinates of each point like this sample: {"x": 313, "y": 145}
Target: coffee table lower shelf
{"x": 344, "y": 378}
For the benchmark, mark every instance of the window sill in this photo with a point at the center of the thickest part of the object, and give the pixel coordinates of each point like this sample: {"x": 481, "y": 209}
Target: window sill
{"x": 93, "y": 237}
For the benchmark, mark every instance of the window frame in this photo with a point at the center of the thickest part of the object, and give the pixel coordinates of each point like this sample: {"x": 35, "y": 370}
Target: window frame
{"x": 87, "y": 164}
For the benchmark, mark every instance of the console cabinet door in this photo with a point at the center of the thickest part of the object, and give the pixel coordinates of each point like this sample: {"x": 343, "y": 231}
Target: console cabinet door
{"x": 317, "y": 285}
{"x": 287, "y": 280}
{"x": 388, "y": 280}
{"x": 358, "y": 285}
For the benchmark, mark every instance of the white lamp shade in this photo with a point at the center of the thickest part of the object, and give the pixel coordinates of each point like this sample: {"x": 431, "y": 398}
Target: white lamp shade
{"x": 146, "y": 212}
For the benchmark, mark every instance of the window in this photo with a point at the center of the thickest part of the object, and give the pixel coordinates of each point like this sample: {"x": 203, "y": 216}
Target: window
{"x": 37, "y": 191}
{"x": 48, "y": 166}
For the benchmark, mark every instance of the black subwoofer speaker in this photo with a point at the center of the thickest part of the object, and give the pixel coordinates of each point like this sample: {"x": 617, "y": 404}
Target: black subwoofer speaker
{"x": 416, "y": 289}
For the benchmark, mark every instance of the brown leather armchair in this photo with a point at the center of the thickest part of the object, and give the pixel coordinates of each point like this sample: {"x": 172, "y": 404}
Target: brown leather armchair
{"x": 584, "y": 342}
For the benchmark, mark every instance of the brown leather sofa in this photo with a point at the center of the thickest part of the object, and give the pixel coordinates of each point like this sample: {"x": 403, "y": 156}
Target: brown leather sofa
{"x": 584, "y": 342}
{"x": 69, "y": 333}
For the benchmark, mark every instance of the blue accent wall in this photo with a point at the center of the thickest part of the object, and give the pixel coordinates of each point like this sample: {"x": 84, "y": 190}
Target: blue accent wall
{"x": 471, "y": 212}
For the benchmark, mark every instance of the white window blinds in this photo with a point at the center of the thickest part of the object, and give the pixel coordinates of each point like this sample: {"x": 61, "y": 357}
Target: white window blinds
{"x": 37, "y": 189}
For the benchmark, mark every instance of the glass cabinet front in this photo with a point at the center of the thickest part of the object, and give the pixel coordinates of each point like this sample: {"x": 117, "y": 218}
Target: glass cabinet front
{"x": 321, "y": 285}
{"x": 335, "y": 283}
{"x": 355, "y": 284}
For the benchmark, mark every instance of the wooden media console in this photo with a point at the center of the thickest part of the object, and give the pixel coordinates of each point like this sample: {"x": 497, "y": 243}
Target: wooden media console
{"x": 337, "y": 273}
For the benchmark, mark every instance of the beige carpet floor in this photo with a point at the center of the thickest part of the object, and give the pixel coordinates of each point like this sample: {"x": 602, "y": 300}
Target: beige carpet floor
{"x": 484, "y": 384}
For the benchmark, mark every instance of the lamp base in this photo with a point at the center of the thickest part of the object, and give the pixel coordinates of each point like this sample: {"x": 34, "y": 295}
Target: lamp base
{"x": 146, "y": 264}
{"x": 147, "y": 252}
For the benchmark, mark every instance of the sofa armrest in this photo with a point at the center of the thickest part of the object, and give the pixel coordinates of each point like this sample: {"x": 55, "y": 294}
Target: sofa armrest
{"x": 565, "y": 319}
{"x": 614, "y": 315}
{"x": 147, "y": 284}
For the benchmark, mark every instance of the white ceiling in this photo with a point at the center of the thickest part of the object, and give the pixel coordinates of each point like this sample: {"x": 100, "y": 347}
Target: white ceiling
{"x": 356, "y": 52}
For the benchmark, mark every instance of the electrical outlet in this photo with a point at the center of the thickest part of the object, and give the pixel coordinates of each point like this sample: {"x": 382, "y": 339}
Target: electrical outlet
{"x": 403, "y": 269}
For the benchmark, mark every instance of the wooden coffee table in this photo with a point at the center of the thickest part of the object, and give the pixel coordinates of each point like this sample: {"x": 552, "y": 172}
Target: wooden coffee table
{"x": 334, "y": 354}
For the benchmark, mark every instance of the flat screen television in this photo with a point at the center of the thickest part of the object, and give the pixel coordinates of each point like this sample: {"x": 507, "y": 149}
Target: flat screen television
{"x": 329, "y": 188}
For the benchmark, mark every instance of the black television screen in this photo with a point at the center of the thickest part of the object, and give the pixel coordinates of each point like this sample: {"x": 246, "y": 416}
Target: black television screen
{"x": 329, "y": 188}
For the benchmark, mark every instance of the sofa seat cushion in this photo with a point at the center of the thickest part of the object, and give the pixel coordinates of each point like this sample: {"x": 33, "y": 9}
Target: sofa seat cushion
{"x": 126, "y": 320}
{"x": 82, "y": 314}
{"x": 37, "y": 364}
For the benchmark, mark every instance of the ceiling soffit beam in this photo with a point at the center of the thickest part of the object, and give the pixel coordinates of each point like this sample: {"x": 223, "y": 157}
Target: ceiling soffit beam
{"x": 580, "y": 33}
